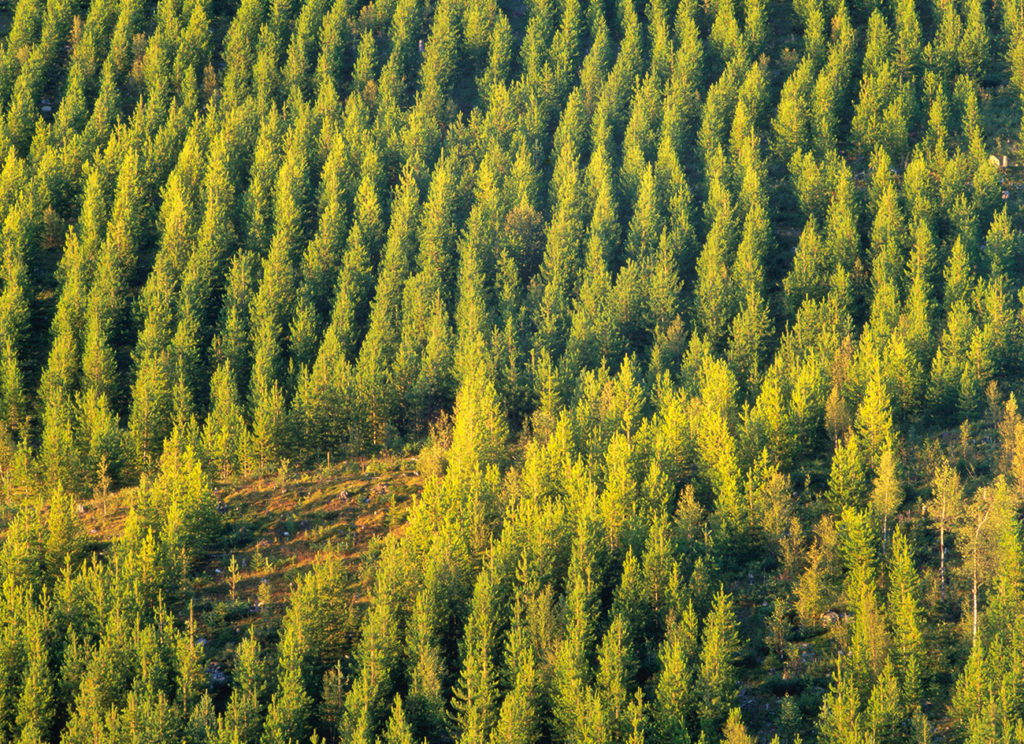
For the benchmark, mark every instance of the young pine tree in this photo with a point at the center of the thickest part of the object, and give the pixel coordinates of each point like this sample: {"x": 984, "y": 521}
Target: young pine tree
{"x": 716, "y": 677}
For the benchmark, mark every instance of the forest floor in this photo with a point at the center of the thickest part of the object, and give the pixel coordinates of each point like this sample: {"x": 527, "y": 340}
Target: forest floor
{"x": 275, "y": 527}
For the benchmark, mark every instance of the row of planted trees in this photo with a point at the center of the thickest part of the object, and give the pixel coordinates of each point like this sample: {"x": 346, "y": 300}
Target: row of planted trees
{"x": 287, "y": 268}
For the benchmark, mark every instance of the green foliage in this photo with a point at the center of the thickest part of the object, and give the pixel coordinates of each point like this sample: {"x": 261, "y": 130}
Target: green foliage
{"x": 716, "y": 678}
{"x": 236, "y": 237}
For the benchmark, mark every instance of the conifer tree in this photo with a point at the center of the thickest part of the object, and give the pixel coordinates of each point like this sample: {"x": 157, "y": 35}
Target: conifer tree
{"x": 749, "y": 335}
{"x": 242, "y": 717}
{"x": 476, "y": 695}
{"x": 676, "y": 706}
{"x": 562, "y": 256}
{"x": 64, "y": 534}
{"x": 715, "y": 290}
{"x": 716, "y": 678}
{"x": 874, "y": 418}
{"x": 868, "y": 638}
{"x": 847, "y": 482}
{"x": 36, "y": 706}
{"x": 225, "y": 434}
{"x": 735, "y": 732}
{"x": 1000, "y": 246}
{"x": 973, "y": 47}
{"x": 904, "y": 613}
{"x": 398, "y": 730}
{"x": 287, "y": 714}
{"x": 519, "y": 720}
{"x": 379, "y": 649}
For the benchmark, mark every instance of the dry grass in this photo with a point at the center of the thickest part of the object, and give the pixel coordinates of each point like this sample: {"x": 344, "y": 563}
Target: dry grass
{"x": 275, "y": 527}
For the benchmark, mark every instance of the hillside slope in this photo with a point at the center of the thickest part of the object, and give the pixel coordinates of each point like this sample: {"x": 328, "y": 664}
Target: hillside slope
{"x": 705, "y": 320}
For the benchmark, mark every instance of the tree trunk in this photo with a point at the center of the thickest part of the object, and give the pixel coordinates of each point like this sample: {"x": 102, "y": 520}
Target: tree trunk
{"x": 974, "y": 577}
{"x": 974, "y": 601}
{"x": 942, "y": 557}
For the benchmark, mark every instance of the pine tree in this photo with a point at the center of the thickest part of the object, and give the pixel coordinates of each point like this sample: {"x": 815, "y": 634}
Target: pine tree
{"x": 715, "y": 294}
{"x": 65, "y": 538}
{"x": 427, "y": 670}
{"x": 573, "y": 660}
{"x": 908, "y": 38}
{"x": 749, "y": 335}
{"x": 615, "y": 677}
{"x": 150, "y": 419}
{"x": 957, "y": 276}
{"x": 868, "y": 637}
{"x": 398, "y": 730}
{"x": 590, "y": 336}
{"x": 973, "y": 47}
{"x": 874, "y": 419}
{"x": 380, "y": 347}
{"x": 189, "y": 674}
{"x": 882, "y": 713}
{"x": 225, "y": 434}
{"x": 847, "y": 482}
{"x": 883, "y": 109}
{"x": 378, "y": 654}
{"x": 288, "y": 712}
{"x": 716, "y": 679}
{"x": 1000, "y": 246}
{"x": 270, "y": 426}
{"x": 735, "y": 732}
{"x": 808, "y": 277}
{"x": 561, "y": 261}
{"x": 904, "y": 613}
{"x": 480, "y": 431}
{"x": 519, "y": 721}
{"x": 36, "y": 706}
{"x": 675, "y": 705}
{"x": 242, "y": 718}
{"x": 476, "y": 695}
